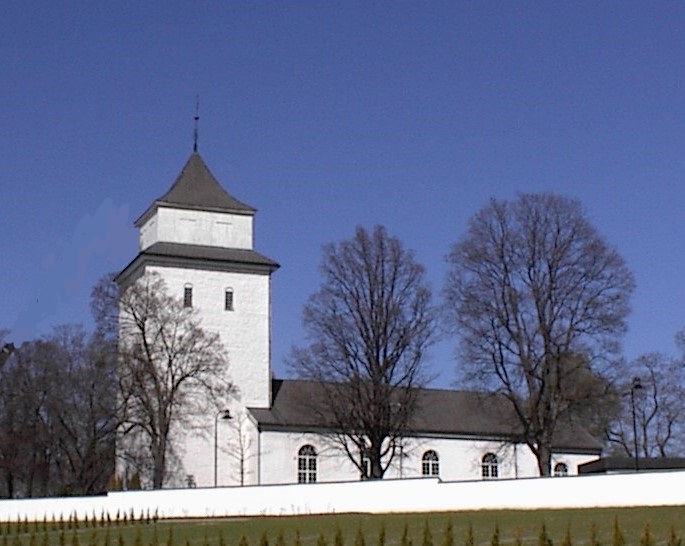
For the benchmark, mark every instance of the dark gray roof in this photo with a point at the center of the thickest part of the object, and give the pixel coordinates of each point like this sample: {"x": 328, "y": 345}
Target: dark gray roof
{"x": 627, "y": 464}
{"x": 196, "y": 188}
{"x": 202, "y": 256}
{"x": 447, "y": 413}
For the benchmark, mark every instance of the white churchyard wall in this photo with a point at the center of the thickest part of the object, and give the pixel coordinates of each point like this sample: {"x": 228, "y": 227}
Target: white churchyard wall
{"x": 410, "y": 495}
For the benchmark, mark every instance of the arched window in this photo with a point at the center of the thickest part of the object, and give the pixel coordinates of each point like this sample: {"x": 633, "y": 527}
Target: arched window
{"x": 188, "y": 295}
{"x": 228, "y": 299}
{"x": 489, "y": 466}
{"x": 306, "y": 464}
{"x": 430, "y": 464}
{"x": 561, "y": 469}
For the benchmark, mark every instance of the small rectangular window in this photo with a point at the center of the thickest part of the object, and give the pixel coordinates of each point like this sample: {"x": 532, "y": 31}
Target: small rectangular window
{"x": 228, "y": 300}
{"x": 188, "y": 296}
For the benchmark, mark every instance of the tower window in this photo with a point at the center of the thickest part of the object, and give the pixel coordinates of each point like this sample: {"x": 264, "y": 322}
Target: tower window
{"x": 228, "y": 299}
{"x": 188, "y": 295}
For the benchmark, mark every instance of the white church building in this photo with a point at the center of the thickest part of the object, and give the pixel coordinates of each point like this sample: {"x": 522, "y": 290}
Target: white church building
{"x": 200, "y": 240}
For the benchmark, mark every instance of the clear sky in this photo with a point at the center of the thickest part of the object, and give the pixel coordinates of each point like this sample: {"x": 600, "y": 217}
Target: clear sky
{"x": 327, "y": 115}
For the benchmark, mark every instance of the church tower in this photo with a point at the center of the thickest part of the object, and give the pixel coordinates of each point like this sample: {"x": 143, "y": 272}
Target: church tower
{"x": 200, "y": 240}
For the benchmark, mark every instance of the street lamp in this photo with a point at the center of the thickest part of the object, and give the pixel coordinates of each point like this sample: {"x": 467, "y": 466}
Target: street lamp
{"x": 225, "y": 415}
{"x": 634, "y": 386}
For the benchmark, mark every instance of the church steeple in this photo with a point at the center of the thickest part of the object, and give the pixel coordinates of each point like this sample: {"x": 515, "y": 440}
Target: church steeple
{"x": 196, "y": 119}
{"x": 197, "y": 210}
{"x": 196, "y": 188}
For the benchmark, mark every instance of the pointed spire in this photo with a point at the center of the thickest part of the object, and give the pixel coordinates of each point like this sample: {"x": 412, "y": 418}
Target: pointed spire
{"x": 197, "y": 119}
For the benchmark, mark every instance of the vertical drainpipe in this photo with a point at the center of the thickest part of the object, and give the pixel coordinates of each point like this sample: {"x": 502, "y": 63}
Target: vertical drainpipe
{"x": 259, "y": 455}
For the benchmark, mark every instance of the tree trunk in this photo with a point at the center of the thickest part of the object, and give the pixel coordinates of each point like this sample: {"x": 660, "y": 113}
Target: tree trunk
{"x": 544, "y": 456}
{"x": 159, "y": 464}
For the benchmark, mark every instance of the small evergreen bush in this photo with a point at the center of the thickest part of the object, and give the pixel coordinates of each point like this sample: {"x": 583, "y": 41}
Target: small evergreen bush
{"x": 469, "y": 540}
{"x": 617, "y": 538}
{"x": 543, "y": 537}
{"x": 427, "y": 538}
{"x": 338, "y": 537}
{"x": 494, "y": 541}
{"x": 448, "y": 535}
{"x": 405, "y": 540}
{"x": 359, "y": 539}
{"x": 646, "y": 539}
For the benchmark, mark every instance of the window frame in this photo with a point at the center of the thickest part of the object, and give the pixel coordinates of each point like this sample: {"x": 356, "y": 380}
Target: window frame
{"x": 307, "y": 467}
{"x": 560, "y": 470}
{"x": 430, "y": 463}
{"x": 188, "y": 295}
{"x": 229, "y": 303}
{"x": 489, "y": 465}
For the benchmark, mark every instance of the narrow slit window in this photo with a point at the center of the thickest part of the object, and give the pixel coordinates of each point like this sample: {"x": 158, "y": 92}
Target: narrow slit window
{"x": 188, "y": 295}
{"x": 228, "y": 299}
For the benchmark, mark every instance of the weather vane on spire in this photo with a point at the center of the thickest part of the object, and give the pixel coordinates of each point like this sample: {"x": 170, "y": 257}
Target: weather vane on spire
{"x": 197, "y": 119}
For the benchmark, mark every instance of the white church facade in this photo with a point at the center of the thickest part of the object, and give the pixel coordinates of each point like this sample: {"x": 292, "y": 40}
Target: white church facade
{"x": 200, "y": 240}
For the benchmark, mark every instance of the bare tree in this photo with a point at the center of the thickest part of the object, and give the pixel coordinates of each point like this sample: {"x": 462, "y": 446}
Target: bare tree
{"x": 82, "y": 410}
{"x": 239, "y": 447}
{"x": 57, "y": 416}
{"x": 369, "y": 326}
{"x": 657, "y": 398}
{"x": 170, "y": 370}
{"x": 535, "y": 294}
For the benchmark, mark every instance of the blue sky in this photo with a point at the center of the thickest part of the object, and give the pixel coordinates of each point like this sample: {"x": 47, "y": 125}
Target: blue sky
{"x": 326, "y": 115}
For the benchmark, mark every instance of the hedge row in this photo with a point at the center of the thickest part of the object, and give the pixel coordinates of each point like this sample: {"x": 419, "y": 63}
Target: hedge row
{"x": 112, "y": 533}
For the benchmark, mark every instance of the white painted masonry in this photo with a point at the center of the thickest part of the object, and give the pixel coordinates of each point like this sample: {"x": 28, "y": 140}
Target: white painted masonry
{"x": 384, "y": 496}
{"x": 197, "y": 228}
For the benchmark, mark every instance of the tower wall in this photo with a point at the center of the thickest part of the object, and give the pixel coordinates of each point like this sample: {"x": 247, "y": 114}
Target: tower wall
{"x": 244, "y": 331}
{"x": 197, "y": 228}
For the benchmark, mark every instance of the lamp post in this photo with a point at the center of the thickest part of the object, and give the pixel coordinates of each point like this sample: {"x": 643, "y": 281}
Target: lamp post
{"x": 225, "y": 415}
{"x": 635, "y": 385}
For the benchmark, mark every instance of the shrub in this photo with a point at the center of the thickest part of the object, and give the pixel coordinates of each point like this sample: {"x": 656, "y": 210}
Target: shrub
{"x": 359, "y": 539}
{"x": 494, "y": 541}
{"x": 427, "y": 538}
{"x": 518, "y": 541}
{"x": 673, "y": 540}
{"x": 338, "y": 537}
{"x": 618, "y": 538}
{"x": 448, "y": 535}
{"x": 543, "y": 537}
{"x": 405, "y": 540}
{"x": 469, "y": 540}
{"x": 381, "y": 536}
{"x": 594, "y": 539}
{"x": 646, "y": 539}
{"x": 568, "y": 541}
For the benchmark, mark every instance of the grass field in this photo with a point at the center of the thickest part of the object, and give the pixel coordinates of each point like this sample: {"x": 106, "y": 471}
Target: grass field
{"x": 594, "y": 527}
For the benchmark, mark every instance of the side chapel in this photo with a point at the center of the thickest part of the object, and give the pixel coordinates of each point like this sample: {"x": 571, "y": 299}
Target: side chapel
{"x": 200, "y": 239}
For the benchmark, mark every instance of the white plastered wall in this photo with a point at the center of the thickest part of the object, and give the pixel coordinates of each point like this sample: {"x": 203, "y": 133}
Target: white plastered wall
{"x": 197, "y": 228}
{"x": 459, "y": 459}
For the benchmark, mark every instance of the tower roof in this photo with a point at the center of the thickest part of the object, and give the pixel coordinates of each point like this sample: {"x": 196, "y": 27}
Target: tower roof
{"x": 196, "y": 188}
